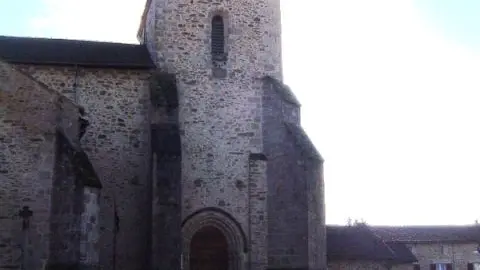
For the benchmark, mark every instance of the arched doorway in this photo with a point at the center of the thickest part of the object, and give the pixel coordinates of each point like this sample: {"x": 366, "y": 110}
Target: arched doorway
{"x": 209, "y": 250}
{"x": 212, "y": 223}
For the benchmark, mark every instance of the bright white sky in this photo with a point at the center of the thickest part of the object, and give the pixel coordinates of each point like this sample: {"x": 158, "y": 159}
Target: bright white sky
{"x": 389, "y": 92}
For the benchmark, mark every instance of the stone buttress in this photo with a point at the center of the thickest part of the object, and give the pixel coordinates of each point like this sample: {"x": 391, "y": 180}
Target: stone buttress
{"x": 226, "y": 59}
{"x": 48, "y": 176}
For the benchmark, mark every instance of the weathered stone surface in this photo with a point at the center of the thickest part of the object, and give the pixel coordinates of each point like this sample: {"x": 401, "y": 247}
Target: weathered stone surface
{"x": 30, "y": 115}
{"x": 458, "y": 254}
{"x": 90, "y": 228}
{"x": 296, "y": 233}
{"x": 66, "y": 208}
{"x": 222, "y": 119}
{"x": 117, "y": 142}
{"x": 166, "y": 174}
{"x": 202, "y": 143}
{"x": 367, "y": 265}
{"x": 258, "y": 212}
{"x": 226, "y": 112}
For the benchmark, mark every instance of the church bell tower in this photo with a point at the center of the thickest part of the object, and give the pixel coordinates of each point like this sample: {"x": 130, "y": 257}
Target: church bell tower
{"x": 220, "y": 52}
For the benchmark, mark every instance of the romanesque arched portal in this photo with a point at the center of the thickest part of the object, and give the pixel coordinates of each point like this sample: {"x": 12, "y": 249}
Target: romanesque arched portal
{"x": 212, "y": 240}
{"x": 209, "y": 250}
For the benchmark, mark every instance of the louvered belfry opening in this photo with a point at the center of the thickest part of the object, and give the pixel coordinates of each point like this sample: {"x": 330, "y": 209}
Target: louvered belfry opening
{"x": 218, "y": 36}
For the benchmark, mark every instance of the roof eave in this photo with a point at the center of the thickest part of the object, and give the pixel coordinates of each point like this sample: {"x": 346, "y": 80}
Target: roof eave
{"x": 435, "y": 241}
{"x": 86, "y": 65}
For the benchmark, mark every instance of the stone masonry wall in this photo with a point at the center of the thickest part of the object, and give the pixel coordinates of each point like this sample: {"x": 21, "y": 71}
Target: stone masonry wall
{"x": 407, "y": 266}
{"x": 150, "y": 38}
{"x": 367, "y": 265}
{"x": 65, "y": 211}
{"x": 219, "y": 111}
{"x": 89, "y": 248}
{"x": 117, "y": 142}
{"x": 258, "y": 207}
{"x": 287, "y": 200}
{"x": 357, "y": 265}
{"x": 182, "y": 36}
{"x": 456, "y": 253}
{"x": 296, "y": 231}
{"x": 317, "y": 235}
{"x": 28, "y": 118}
{"x": 459, "y": 254}
{"x": 166, "y": 174}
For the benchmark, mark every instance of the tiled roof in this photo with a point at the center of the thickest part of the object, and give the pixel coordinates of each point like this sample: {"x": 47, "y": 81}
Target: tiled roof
{"x": 388, "y": 243}
{"x": 402, "y": 252}
{"x": 410, "y": 234}
{"x": 73, "y": 52}
{"x": 359, "y": 243}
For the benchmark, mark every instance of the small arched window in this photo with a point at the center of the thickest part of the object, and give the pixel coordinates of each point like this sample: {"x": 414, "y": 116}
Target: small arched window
{"x": 218, "y": 37}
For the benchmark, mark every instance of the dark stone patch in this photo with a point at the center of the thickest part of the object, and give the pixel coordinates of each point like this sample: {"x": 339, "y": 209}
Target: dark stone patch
{"x": 240, "y": 185}
{"x": 198, "y": 182}
{"x": 135, "y": 181}
{"x": 219, "y": 73}
{"x": 70, "y": 266}
{"x": 83, "y": 168}
{"x": 163, "y": 90}
{"x": 258, "y": 156}
{"x": 166, "y": 140}
{"x": 246, "y": 134}
{"x": 288, "y": 268}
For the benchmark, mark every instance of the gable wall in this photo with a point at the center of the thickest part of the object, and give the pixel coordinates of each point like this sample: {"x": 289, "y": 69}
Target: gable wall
{"x": 460, "y": 254}
{"x": 116, "y": 102}
{"x": 27, "y": 144}
{"x": 356, "y": 265}
{"x": 366, "y": 265}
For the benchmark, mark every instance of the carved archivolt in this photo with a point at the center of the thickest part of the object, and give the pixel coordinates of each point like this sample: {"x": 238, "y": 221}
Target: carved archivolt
{"x": 226, "y": 224}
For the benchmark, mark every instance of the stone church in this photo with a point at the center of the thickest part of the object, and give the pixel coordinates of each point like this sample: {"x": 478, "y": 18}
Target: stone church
{"x": 182, "y": 152}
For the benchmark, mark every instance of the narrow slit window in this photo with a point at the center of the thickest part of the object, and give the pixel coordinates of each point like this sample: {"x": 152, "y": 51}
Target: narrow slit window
{"x": 218, "y": 36}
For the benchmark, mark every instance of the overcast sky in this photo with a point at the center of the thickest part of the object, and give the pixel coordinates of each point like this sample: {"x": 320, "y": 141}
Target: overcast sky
{"x": 390, "y": 94}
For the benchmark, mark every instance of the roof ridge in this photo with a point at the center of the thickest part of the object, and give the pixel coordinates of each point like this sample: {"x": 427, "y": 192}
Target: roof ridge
{"x": 72, "y": 52}
{"x": 378, "y": 238}
{"x": 68, "y": 40}
{"x": 378, "y": 249}
{"x": 424, "y": 226}
{"x": 383, "y": 241}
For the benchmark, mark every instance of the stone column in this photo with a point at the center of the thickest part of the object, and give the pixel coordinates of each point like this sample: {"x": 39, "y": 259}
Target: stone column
{"x": 317, "y": 256}
{"x": 89, "y": 229}
{"x": 166, "y": 174}
{"x": 257, "y": 211}
{"x": 25, "y": 214}
{"x": 167, "y": 219}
